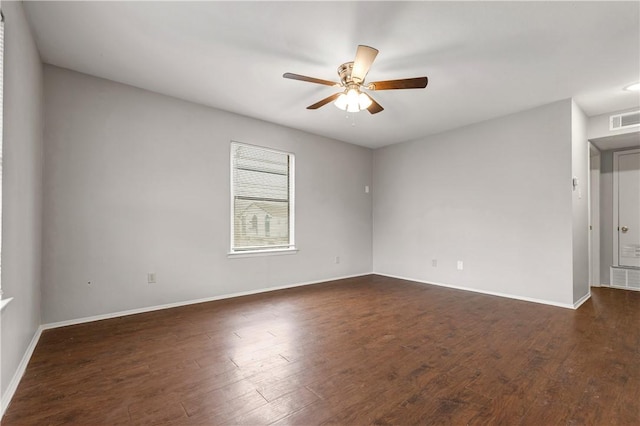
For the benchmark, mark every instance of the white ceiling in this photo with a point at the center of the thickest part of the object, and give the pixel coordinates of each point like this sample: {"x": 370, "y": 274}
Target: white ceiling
{"x": 483, "y": 59}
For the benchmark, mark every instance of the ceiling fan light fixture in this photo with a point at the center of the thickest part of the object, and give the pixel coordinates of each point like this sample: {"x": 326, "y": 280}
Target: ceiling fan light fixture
{"x": 353, "y": 101}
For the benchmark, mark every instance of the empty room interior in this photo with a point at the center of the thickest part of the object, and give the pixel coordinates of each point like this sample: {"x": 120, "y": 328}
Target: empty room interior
{"x": 320, "y": 213}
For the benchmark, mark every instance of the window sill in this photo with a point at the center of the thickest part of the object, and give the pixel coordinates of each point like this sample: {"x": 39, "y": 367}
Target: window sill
{"x": 4, "y": 303}
{"x": 256, "y": 253}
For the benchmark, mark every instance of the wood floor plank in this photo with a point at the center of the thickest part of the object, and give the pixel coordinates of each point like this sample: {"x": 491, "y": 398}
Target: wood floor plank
{"x": 160, "y": 409}
{"x": 277, "y": 409}
{"x": 365, "y": 350}
{"x": 219, "y": 412}
{"x": 218, "y": 398}
{"x": 315, "y": 413}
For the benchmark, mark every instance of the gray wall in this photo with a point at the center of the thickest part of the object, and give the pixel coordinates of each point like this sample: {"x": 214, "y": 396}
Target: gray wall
{"x": 21, "y": 190}
{"x": 496, "y": 195}
{"x": 580, "y": 202}
{"x": 137, "y": 182}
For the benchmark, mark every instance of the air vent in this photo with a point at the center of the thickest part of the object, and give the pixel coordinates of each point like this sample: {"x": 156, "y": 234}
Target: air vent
{"x": 625, "y": 278}
{"x": 624, "y": 121}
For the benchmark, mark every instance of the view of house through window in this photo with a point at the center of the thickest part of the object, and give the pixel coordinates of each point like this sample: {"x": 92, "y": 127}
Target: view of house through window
{"x": 262, "y": 198}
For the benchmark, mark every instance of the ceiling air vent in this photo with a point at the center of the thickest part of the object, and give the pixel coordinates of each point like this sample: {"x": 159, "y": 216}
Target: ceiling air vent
{"x": 624, "y": 121}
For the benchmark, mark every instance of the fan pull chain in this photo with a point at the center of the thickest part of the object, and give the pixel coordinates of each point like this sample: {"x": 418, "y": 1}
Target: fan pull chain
{"x": 353, "y": 119}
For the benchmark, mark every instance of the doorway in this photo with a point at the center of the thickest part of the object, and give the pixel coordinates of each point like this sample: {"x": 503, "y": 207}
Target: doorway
{"x": 626, "y": 208}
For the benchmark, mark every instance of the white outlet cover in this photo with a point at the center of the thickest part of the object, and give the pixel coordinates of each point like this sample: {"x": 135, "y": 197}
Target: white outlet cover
{"x": 460, "y": 265}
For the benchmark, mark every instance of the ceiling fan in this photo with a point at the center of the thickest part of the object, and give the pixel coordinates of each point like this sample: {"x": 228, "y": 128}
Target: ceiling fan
{"x": 352, "y": 75}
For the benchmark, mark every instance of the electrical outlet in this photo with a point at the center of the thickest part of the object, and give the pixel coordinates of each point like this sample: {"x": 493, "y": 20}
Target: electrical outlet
{"x": 460, "y": 265}
{"x": 151, "y": 277}
{"x": 434, "y": 263}
{"x": 337, "y": 259}
{"x": 366, "y": 189}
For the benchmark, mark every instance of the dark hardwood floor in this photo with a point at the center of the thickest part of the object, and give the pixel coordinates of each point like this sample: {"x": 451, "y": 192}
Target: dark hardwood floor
{"x": 357, "y": 351}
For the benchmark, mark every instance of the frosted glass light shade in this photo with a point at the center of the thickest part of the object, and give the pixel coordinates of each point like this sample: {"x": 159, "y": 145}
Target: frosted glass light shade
{"x": 364, "y": 101}
{"x": 353, "y": 101}
{"x": 341, "y": 102}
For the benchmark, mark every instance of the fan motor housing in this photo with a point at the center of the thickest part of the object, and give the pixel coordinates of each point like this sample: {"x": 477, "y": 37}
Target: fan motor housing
{"x": 344, "y": 71}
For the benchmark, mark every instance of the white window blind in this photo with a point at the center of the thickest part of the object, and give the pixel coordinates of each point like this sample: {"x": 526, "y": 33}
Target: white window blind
{"x": 1, "y": 122}
{"x": 261, "y": 199}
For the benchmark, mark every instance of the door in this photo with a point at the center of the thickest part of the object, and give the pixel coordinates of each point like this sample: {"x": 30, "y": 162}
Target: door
{"x": 627, "y": 171}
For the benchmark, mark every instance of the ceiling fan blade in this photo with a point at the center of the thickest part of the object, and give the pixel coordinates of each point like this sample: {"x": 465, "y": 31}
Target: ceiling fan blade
{"x": 375, "y": 107}
{"x": 324, "y": 101}
{"x": 407, "y": 83}
{"x": 309, "y": 79}
{"x": 365, "y": 56}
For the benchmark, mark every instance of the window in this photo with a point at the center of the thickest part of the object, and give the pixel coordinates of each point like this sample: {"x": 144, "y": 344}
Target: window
{"x": 254, "y": 224}
{"x": 267, "y": 225}
{"x": 262, "y": 198}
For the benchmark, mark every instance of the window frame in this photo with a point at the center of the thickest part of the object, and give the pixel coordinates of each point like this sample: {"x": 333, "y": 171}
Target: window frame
{"x": 3, "y": 302}
{"x": 291, "y": 248}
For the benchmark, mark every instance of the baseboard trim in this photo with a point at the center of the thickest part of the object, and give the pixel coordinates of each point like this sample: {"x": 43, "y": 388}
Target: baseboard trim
{"x": 490, "y": 293}
{"x": 188, "y": 302}
{"x": 17, "y": 376}
{"x": 583, "y": 299}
